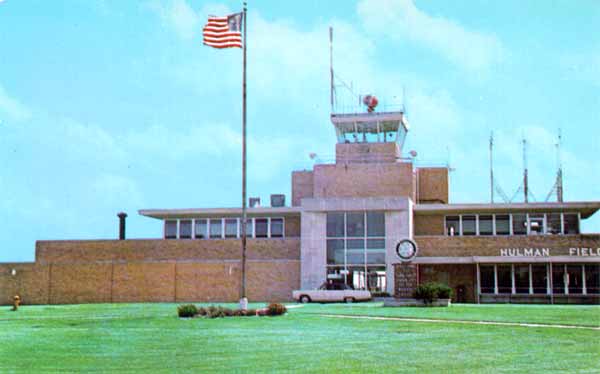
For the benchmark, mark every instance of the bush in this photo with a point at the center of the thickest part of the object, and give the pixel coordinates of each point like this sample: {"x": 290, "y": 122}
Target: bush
{"x": 202, "y": 311}
{"x": 428, "y": 292}
{"x": 444, "y": 292}
{"x": 187, "y": 311}
{"x": 249, "y": 312}
{"x": 275, "y": 309}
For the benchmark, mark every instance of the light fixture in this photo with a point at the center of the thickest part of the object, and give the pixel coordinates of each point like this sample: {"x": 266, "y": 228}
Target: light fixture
{"x": 13, "y": 272}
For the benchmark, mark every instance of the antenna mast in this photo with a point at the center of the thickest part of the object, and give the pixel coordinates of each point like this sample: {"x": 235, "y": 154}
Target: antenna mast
{"x": 525, "y": 183}
{"x": 559, "y": 179}
{"x": 331, "y": 87}
{"x": 491, "y": 167}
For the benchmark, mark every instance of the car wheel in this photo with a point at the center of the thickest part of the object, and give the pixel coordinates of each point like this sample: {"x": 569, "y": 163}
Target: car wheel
{"x": 349, "y": 300}
{"x": 304, "y": 299}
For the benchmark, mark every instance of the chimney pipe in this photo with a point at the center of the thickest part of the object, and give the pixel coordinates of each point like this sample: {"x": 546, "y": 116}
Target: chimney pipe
{"x": 122, "y": 216}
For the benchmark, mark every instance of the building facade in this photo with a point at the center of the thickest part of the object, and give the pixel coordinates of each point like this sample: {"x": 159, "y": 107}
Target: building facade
{"x": 372, "y": 220}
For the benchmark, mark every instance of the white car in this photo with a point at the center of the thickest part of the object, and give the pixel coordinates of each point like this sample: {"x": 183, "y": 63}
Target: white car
{"x": 329, "y": 292}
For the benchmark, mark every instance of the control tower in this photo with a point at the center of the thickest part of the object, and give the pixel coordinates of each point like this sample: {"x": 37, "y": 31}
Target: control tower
{"x": 369, "y": 136}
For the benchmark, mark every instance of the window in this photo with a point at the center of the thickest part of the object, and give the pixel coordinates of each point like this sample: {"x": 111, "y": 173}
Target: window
{"x": 261, "y": 227}
{"x": 201, "y": 229}
{"x": 558, "y": 279}
{"x": 504, "y": 279}
{"x": 356, "y": 248}
{"x": 452, "y": 225}
{"x": 335, "y": 225}
{"x": 592, "y": 279}
{"x": 375, "y": 224}
{"x": 485, "y": 225}
{"x": 215, "y": 228}
{"x": 522, "y": 278}
{"x": 335, "y": 252}
{"x": 539, "y": 279}
{"x": 536, "y": 224}
{"x": 487, "y": 283}
{"x": 553, "y": 221}
{"x": 170, "y": 229}
{"x": 571, "y": 223}
{"x": 519, "y": 224}
{"x": 574, "y": 279}
{"x": 502, "y": 224}
{"x": 276, "y": 227}
{"x": 468, "y": 225}
{"x": 185, "y": 229}
{"x": 355, "y": 224}
{"x": 231, "y": 228}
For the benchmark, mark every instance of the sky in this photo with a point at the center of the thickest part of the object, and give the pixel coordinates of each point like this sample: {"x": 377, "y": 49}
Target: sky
{"x": 109, "y": 105}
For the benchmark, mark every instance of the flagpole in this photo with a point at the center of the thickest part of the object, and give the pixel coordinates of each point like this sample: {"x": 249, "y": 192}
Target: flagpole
{"x": 244, "y": 299}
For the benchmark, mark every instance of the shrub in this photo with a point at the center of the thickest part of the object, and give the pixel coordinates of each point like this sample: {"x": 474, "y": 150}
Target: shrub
{"x": 202, "y": 311}
{"x": 275, "y": 309}
{"x": 227, "y": 312}
{"x": 428, "y": 292}
{"x": 187, "y": 311}
{"x": 444, "y": 292}
{"x": 249, "y": 312}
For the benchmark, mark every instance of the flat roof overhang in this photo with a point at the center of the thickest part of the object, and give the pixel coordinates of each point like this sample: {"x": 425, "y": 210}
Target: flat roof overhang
{"x": 502, "y": 259}
{"x": 586, "y": 208}
{"x": 218, "y": 212}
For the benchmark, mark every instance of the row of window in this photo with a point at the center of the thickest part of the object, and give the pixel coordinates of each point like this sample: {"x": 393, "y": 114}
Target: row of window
{"x": 218, "y": 228}
{"x": 512, "y": 224}
{"x": 539, "y": 279}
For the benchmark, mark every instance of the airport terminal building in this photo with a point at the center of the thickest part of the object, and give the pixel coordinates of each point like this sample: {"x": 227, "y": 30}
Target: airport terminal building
{"x": 372, "y": 220}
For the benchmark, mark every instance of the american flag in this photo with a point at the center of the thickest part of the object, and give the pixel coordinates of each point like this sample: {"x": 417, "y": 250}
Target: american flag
{"x": 223, "y": 32}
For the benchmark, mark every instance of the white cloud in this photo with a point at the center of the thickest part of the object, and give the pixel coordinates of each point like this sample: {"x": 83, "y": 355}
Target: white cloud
{"x": 583, "y": 66}
{"x": 469, "y": 49}
{"x": 12, "y": 107}
{"x": 178, "y": 15}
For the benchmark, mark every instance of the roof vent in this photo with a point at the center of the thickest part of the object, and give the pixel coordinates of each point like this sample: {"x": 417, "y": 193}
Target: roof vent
{"x": 277, "y": 200}
{"x": 254, "y": 202}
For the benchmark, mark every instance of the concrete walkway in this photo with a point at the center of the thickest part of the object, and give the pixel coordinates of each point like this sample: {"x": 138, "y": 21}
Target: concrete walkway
{"x": 410, "y": 319}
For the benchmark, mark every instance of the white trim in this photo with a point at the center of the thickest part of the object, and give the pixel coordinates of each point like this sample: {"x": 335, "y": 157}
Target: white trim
{"x": 530, "y": 280}
{"x": 495, "y": 279}
{"x": 583, "y": 282}
{"x": 513, "y": 287}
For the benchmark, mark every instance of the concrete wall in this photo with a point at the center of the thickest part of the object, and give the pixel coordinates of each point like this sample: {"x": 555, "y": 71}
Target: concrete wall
{"x": 433, "y": 185}
{"x": 314, "y": 249}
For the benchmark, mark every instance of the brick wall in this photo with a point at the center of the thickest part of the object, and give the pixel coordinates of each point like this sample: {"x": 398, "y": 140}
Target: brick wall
{"x": 366, "y": 152}
{"x": 31, "y": 283}
{"x": 429, "y": 224}
{"x": 302, "y": 186}
{"x": 292, "y": 226}
{"x": 448, "y": 246}
{"x": 363, "y": 180}
{"x": 433, "y": 185}
{"x": 78, "y": 251}
{"x": 452, "y": 275}
{"x": 98, "y": 271}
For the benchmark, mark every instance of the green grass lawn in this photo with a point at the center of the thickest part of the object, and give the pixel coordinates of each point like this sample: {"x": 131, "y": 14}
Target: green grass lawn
{"x": 149, "y": 338}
